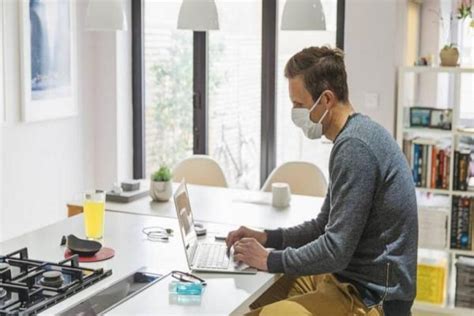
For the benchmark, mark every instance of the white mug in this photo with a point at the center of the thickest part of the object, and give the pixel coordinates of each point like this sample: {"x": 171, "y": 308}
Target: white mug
{"x": 281, "y": 194}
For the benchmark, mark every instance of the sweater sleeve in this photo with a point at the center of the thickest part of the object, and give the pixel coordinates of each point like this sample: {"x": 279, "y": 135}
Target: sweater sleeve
{"x": 301, "y": 234}
{"x": 354, "y": 175}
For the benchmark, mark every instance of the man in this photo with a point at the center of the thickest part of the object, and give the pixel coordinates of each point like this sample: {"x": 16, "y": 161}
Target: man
{"x": 359, "y": 255}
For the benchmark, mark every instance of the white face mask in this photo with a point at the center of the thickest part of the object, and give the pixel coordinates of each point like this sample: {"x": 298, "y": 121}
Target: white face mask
{"x": 301, "y": 118}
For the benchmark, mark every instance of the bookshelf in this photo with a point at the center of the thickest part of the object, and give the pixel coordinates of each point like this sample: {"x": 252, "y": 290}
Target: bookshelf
{"x": 410, "y": 94}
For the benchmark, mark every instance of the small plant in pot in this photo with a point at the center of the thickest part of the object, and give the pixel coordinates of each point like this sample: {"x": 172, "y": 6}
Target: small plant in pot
{"x": 160, "y": 184}
{"x": 449, "y": 56}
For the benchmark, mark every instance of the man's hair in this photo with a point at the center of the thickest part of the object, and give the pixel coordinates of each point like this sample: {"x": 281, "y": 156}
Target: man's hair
{"x": 321, "y": 68}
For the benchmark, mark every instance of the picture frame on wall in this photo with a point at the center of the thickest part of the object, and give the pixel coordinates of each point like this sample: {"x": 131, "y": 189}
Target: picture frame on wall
{"x": 420, "y": 117}
{"x": 441, "y": 119}
{"x": 48, "y": 59}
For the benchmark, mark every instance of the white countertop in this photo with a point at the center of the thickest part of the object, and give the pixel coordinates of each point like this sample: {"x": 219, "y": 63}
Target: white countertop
{"x": 225, "y": 294}
{"x": 228, "y": 206}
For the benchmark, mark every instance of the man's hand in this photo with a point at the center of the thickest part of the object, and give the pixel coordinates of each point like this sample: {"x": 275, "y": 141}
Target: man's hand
{"x": 244, "y": 232}
{"x": 251, "y": 252}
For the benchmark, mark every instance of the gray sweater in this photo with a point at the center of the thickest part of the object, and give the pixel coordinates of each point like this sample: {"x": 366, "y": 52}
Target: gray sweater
{"x": 367, "y": 229}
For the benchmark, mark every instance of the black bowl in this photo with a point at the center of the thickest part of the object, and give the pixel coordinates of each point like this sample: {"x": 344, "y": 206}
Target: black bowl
{"x": 82, "y": 247}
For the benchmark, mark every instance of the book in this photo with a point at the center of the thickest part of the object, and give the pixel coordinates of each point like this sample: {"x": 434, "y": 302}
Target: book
{"x": 429, "y": 152}
{"x": 447, "y": 167}
{"x": 434, "y": 166}
{"x": 464, "y": 229}
{"x": 454, "y": 222}
{"x": 471, "y": 224}
{"x": 462, "y": 223}
{"x": 441, "y": 169}
{"x": 464, "y": 158}
{"x": 432, "y": 227}
{"x": 126, "y": 197}
{"x": 462, "y": 170}
{"x": 424, "y": 162}
{"x": 416, "y": 165}
{"x": 464, "y": 294}
{"x": 430, "y": 164}
{"x": 456, "y": 171}
{"x": 458, "y": 224}
{"x": 431, "y": 282}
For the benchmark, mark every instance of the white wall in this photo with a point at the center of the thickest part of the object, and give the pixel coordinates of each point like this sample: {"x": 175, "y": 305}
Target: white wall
{"x": 46, "y": 164}
{"x": 374, "y": 48}
{"x": 42, "y": 162}
{"x": 2, "y": 108}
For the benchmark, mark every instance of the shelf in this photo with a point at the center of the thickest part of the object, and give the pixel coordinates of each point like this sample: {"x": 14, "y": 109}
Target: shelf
{"x": 424, "y": 69}
{"x": 434, "y": 131}
{"x": 432, "y": 248}
{"x": 428, "y": 131}
{"x": 434, "y": 191}
{"x": 452, "y": 251}
{"x": 459, "y": 133}
{"x": 406, "y": 98}
{"x": 463, "y": 193}
{"x": 440, "y": 309}
{"x": 462, "y": 252}
{"x": 446, "y": 192}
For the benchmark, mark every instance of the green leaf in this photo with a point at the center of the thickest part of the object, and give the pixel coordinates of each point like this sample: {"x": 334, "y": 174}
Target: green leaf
{"x": 162, "y": 175}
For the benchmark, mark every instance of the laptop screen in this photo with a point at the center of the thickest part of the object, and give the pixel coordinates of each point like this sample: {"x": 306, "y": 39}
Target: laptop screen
{"x": 185, "y": 218}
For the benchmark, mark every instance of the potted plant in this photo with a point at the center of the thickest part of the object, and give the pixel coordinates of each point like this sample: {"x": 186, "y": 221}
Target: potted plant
{"x": 449, "y": 55}
{"x": 160, "y": 184}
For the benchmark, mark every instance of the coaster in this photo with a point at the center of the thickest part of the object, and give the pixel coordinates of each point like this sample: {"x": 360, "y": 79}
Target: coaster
{"x": 103, "y": 254}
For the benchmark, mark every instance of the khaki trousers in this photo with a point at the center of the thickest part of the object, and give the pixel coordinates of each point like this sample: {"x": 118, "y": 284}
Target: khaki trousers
{"x": 318, "y": 295}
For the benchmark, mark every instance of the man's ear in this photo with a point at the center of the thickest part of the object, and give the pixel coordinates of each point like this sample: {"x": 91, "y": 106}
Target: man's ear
{"x": 329, "y": 99}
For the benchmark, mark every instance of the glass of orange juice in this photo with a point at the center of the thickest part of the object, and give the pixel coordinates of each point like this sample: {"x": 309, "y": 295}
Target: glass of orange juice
{"x": 94, "y": 214}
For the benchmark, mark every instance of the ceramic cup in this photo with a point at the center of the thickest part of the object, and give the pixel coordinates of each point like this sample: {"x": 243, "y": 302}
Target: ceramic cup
{"x": 281, "y": 194}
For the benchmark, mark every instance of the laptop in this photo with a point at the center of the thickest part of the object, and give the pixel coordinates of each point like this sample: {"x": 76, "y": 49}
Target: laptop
{"x": 203, "y": 255}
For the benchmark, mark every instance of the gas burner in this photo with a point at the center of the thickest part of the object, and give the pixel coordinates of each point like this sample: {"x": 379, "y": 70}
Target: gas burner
{"x": 52, "y": 279}
{"x": 4, "y": 266}
{"x": 28, "y": 286}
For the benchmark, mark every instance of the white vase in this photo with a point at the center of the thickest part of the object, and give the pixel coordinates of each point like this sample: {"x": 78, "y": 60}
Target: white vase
{"x": 161, "y": 191}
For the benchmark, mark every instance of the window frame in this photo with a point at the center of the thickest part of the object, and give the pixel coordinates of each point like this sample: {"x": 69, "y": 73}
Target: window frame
{"x": 138, "y": 90}
{"x": 200, "y": 86}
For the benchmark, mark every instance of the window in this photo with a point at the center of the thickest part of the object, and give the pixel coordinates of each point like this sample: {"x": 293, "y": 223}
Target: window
{"x": 291, "y": 143}
{"x": 244, "y": 100}
{"x": 234, "y": 92}
{"x": 459, "y": 32}
{"x": 466, "y": 40}
{"x": 168, "y": 108}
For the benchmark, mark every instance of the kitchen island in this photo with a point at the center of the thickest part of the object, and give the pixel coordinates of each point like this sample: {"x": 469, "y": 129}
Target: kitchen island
{"x": 225, "y": 293}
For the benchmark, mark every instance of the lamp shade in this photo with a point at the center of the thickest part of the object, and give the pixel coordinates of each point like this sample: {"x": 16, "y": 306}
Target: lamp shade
{"x": 303, "y": 15}
{"x": 198, "y": 15}
{"x": 106, "y": 15}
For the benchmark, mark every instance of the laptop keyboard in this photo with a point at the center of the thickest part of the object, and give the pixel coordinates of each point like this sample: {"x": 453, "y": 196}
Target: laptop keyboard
{"x": 212, "y": 256}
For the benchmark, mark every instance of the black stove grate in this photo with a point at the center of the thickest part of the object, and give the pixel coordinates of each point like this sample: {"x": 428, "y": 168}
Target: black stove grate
{"x": 26, "y": 293}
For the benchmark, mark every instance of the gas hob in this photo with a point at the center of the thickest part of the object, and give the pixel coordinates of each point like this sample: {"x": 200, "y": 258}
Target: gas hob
{"x": 29, "y": 286}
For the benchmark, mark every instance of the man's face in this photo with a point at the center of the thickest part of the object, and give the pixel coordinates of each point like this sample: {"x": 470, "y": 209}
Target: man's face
{"x": 301, "y": 98}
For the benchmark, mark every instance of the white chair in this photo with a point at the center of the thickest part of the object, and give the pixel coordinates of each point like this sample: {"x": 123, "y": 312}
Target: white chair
{"x": 303, "y": 177}
{"x": 200, "y": 169}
